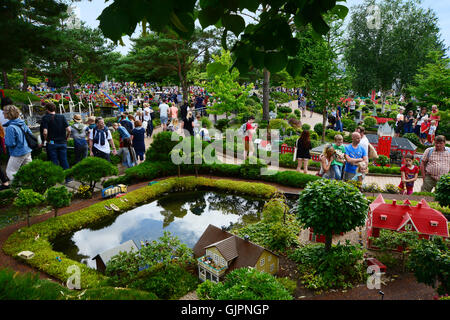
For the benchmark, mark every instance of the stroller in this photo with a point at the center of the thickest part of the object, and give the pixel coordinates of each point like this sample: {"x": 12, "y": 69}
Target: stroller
{"x": 331, "y": 122}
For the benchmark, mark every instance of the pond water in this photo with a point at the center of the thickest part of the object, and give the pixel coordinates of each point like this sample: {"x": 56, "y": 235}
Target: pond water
{"x": 185, "y": 215}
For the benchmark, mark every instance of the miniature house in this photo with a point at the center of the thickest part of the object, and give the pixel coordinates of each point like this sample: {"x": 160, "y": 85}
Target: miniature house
{"x": 219, "y": 252}
{"x": 102, "y": 258}
{"x": 426, "y": 221}
{"x": 396, "y": 144}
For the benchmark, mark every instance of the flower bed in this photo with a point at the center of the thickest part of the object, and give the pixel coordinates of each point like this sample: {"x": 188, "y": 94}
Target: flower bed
{"x": 46, "y": 259}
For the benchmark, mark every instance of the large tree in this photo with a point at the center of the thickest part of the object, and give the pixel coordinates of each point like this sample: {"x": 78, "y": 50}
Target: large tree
{"x": 388, "y": 45}
{"x": 166, "y": 55}
{"x": 28, "y": 31}
{"x": 433, "y": 81}
{"x": 268, "y": 43}
{"x": 82, "y": 51}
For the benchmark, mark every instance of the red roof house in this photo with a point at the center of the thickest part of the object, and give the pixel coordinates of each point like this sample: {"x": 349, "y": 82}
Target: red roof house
{"x": 426, "y": 221}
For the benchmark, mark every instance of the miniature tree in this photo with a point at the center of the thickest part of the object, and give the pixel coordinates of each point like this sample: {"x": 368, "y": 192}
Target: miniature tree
{"x": 443, "y": 190}
{"x": 27, "y": 199}
{"x": 331, "y": 207}
{"x": 38, "y": 175}
{"x": 91, "y": 170}
{"x": 58, "y": 197}
{"x": 382, "y": 160}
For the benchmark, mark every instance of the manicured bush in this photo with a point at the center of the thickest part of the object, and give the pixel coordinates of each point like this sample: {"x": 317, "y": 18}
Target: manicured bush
{"x": 306, "y": 126}
{"x": 391, "y": 188}
{"x": 284, "y": 110}
{"x": 278, "y": 124}
{"x": 244, "y": 284}
{"x": 370, "y": 122}
{"x": 161, "y": 146}
{"x": 318, "y": 128}
{"x": 372, "y": 187}
{"x": 290, "y": 141}
{"x": 7, "y": 196}
{"x": 91, "y": 170}
{"x": 443, "y": 190}
{"x": 207, "y": 122}
{"x": 38, "y": 175}
{"x": 413, "y": 138}
{"x": 331, "y": 207}
{"x": 382, "y": 160}
{"x": 222, "y": 124}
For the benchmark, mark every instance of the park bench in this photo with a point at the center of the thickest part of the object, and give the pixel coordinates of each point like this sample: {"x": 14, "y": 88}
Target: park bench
{"x": 373, "y": 261}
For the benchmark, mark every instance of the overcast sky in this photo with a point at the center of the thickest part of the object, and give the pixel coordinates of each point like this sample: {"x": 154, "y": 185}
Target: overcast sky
{"x": 88, "y": 11}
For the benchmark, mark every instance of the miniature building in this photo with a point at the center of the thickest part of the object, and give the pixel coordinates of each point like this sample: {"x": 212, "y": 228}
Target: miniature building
{"x": 219, "y": 252}
{"x": 426, "y": 221}
{"x": 397, "y": 144}
{"x": 103, "y": 258}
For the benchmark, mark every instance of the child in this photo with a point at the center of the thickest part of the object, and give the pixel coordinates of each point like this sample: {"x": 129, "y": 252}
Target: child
{"x": 431, "y": 132}
{"x": 128, "y": 154}
{"x": 409, "y": 172}
{"x": 204, "y": 133}
{"x": 361, "y": 172}
{"x": 338, "y": 163}
{"x": 424, "y": 127}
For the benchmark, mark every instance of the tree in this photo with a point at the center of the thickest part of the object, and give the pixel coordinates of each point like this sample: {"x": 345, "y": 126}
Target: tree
{"x": 331, "y": 207}
{"x": 166, "y": 55}
{"x": 268, "y": 43}
{"x": 391, "y": 47}
{"x": 38, "y": 175}
{"x": 90, "y": 170}
{"x": 58, "y": 197}
{"x": 433, "y": 81}
{"x": 430, "y": 261}
{"x": 224, "y": 86}
{"x": 29, "y": 29}
{"x": 26, "y": 200}
{"x": 83, "y": 51}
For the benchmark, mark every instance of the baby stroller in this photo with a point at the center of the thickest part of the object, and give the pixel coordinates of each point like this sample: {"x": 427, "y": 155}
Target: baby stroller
{"x": 331, "y": 122}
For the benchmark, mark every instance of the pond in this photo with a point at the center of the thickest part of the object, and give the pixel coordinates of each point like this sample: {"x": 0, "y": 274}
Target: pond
{"x": 185, "y": 215}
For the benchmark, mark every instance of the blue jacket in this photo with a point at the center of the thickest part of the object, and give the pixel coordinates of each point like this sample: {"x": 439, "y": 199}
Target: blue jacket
{"x": 15, "y": 139}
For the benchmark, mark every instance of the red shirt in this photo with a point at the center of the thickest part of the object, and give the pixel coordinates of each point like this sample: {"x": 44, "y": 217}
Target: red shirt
{"x": 249, "y": 136}
{"x": 410, "y": 173}
{"x": 424, "y": 127}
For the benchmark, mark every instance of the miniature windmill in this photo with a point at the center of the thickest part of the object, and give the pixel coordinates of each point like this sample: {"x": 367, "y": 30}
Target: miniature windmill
{"x": 385, "y": 134}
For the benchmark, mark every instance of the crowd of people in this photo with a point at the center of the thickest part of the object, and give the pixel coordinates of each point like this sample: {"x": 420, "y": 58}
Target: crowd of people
{"x": 350, "y": 162}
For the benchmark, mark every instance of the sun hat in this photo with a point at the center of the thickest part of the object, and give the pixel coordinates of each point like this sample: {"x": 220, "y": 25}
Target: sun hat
{"x": 77, "y": 118}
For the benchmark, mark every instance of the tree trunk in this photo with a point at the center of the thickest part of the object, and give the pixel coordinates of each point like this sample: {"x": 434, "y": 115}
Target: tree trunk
{"x": 5, "y": 79}
{"x": 25, "y": 80}
{"x": 324, "y": 122}
{"x": 328, "y": 242}
{"x": 56, "y": 212}
{"x": 266, "y": 95}
{"x": 382, "y": 100}
{"x": 179, "y": 173}
{"x": 28, "y": 218}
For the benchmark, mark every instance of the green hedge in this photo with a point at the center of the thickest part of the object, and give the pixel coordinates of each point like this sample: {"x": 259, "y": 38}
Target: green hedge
{"x": 45, "y": 258}
{"x": 385, "y": 170}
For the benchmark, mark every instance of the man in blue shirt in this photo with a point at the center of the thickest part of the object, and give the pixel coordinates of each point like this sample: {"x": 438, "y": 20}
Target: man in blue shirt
{"x": 354, "y": 154}
{"x": 339, "y": 126}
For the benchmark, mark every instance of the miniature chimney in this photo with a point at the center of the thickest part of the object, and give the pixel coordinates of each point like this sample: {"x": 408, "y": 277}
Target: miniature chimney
{"x": 419, "y": 205}
{"x": 394, "y": 202}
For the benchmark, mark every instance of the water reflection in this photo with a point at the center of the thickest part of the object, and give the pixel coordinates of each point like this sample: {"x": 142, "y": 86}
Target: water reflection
{"x": 185, "y": 215}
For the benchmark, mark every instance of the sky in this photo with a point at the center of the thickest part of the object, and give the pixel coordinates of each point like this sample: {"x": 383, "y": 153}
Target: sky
{"x": 88, "y": 11}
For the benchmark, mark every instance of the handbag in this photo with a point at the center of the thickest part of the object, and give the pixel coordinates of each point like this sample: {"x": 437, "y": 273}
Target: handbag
{"x": 372, "y": 152}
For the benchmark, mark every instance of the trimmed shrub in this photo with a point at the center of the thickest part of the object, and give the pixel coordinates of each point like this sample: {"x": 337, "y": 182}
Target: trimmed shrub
{"x": 244, "y": 284}
{"x": 47, "y": 172}
{"x": 442, "y": 193}
{"x": 318, "y": 128}
{"x": 284, "y": 110}
{"x": 278, "y": 124}
{"x": 161, "y": 146}
{"x": 370, "y": 122}
{"x": 413, "y": 138}
{"x": 306, "y": 126}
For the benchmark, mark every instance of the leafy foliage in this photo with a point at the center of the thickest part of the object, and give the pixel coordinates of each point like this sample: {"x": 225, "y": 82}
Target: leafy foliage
{"x": 244, "y": 284}
{"x": 27, "y": 199}
{"x": 339, "y": 267}
{"x": 49, "y": 174}
{"x": 161, "y": 146}
{"x": 58, "y": 197}
{"x": 330, "y": 206}
{"x": 443, "y": 190}
{"x": 90, "y": 170}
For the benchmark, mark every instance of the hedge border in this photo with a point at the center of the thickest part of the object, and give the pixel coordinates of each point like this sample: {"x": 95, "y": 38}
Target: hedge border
{"x": 45, "y": 258}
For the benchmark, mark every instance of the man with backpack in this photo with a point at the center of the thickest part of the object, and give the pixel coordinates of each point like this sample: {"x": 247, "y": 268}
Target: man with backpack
{"x": 247, "y": 129}
{"x": 55, "y": 131}
{"x": 435, "y": 163}
{"x": 100, "y": 140}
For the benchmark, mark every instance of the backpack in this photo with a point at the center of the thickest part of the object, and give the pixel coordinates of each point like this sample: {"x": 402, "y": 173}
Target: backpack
{"x": 31, "y": 139}
{"x": 127, "y": 125}
{"x": 243, "y": 130}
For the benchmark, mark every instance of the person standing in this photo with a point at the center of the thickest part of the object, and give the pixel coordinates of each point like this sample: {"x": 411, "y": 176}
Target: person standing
{"x": 408, "y": 122}
{"x": 189, "y": 124}
{"x": 364, "y": 142}
{"x": 326, "y": 158}
{"x": 248, "y": 139}
{"x": 435, "y": 163}
{"x": 163, "y": 114}
{"x": 101, "y": 142}
{"x": 303, "y": 145}
{"x": 302, "y": 105}
{"x": 339, "y": 126}
{"x": 354, "y": 154}
{"x": 338, "y": 163}
{"x": 55, "y": 131}
{"x": 138, "y": 139}
{"x": 399, "y": 123}
{"x": 173, "y": 111}
{"x": 78, "y": 132}
{"x": 18, "y": 149}
{"x": 421, "y": 117}
{"x": 409, "y": 173}
{"x": 147, "y": 115}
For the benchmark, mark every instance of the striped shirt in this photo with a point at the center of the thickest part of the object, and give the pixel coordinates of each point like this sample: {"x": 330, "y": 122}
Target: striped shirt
{"x": 438, "y": 163}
